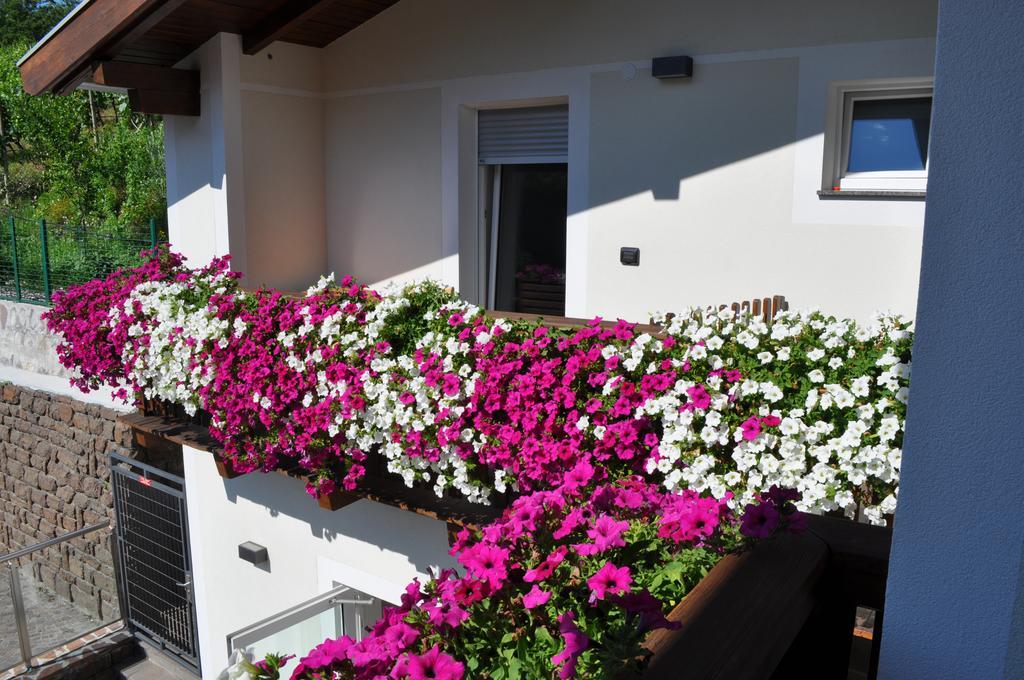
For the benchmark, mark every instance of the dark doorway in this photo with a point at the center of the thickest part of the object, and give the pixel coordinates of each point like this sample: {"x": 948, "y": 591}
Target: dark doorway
{"x": 528, "y": 238}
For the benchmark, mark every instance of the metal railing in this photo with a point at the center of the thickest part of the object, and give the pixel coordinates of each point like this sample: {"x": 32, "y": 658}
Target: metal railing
{"x": 340, "y": 611}
{"x": 38, "y": 617}
{"x": 37, "y": 258}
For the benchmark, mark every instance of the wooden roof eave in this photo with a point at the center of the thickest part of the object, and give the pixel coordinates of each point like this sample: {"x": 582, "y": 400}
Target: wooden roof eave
{"x": 94, "y": 31}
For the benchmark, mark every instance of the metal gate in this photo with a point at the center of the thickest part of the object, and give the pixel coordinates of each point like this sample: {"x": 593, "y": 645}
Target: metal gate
{"x": 154, "y": 565}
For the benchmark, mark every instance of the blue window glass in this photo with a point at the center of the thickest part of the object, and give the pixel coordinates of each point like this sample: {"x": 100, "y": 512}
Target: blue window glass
{"x": 889, "y": 134}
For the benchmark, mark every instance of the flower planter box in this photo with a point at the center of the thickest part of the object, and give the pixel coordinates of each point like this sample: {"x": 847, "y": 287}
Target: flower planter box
{"x": 741, "y": 619}
{"x": 154, "y": 431}
{"x": 783, "y": 609}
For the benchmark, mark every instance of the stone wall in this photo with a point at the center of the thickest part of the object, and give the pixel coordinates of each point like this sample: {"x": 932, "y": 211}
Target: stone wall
{"x": 24, "y": 341}
{"x": 55, "y": 478}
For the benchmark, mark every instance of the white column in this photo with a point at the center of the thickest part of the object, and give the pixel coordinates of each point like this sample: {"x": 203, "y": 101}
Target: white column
{"x": 205, "y": 183}
{"x": 955, "y": 599}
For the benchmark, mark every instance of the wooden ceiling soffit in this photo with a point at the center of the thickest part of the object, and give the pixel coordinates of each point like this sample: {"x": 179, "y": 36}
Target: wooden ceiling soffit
{"x": 98, "y": 30}
{"x": 277, "y": 23}
{"x": 152, "y": 89}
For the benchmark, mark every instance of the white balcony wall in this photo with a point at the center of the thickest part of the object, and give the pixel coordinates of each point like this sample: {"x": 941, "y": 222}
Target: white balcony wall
{"x": 359, "y": 158}
{"x": 373, "y": 548}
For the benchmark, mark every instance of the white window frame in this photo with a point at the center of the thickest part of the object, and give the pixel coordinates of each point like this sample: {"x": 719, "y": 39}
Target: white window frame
{"x": 841, "y": 99}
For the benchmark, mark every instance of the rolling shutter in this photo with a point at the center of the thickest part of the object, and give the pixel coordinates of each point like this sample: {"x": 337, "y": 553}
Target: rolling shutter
{"x": 538, "y": 134}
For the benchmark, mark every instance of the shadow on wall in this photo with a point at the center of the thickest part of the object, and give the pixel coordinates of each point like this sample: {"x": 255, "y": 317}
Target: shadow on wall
{"x": 649, "y": 135}
{"x": 647, "y": 138}
{"x": 407, "y": 534}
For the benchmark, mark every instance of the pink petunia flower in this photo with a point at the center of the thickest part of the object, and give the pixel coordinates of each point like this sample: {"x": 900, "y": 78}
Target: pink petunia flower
{"x": 435, "y": 665}
{"x": 536, "y": 597}
{"x": 607, "y": 533}
{"x": 699, "y": 397}
{"x": 609, "y": 580}
{"x": 751, "y": 428}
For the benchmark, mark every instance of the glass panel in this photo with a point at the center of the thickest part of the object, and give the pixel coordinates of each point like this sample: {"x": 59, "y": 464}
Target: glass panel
{"x": 297, "y": 630}
{"x": 62, "y": 607}
{"x": 10, "y": 652}
{"x": 531, "y": 239}
{"x": 889, "y": 134}
{"x": 301, "y": 637}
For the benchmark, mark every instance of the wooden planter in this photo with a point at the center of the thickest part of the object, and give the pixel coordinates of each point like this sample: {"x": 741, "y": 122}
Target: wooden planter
{"x": 784, "y": 609}
{"x": 168, "y": 433}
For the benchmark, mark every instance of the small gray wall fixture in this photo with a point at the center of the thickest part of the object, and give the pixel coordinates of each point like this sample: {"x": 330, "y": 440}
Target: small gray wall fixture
{"x": 955, "y": 599}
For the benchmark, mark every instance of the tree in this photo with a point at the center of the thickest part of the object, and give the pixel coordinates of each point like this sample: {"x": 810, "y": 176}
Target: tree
{"x": 29, "y": 20}
{"x": 77, "y": 158}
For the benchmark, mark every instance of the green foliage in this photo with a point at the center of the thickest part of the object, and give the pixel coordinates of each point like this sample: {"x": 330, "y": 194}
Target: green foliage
{"x": 29, "y": 20}
{"x": 84, "y": 158}
{"x": 83, "y": 162}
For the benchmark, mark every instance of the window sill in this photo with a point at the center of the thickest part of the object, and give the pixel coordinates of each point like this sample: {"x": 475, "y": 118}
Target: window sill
{"x": 870, "y": 194}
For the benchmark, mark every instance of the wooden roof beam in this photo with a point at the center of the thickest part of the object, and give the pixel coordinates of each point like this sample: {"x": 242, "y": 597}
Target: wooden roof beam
{"x": 152, "y": 89}
{"x": 57, "y": 64}
{"x": 287, "y": 16}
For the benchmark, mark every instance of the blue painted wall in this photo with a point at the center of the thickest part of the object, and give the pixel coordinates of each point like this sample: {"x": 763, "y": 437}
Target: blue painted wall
{"x": 955, "y": 604}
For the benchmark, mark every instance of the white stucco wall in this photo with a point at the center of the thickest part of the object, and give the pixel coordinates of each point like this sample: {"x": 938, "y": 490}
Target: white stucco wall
{"x": 374, "y": 548}
{"x": 283, "y": 134}
{"x": 205, "y": 174}
{"x": 714, "y": 179}
{"x": 362, "y": 153}
{"x": 28, "y": 356}
{"x": 246, "y": 177}
{"x": 383, "y": 176}
{"x": 954, "y": 605}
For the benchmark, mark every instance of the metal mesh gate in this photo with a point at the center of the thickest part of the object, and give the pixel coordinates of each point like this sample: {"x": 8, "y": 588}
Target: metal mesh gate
{"x": 155, "y": 569}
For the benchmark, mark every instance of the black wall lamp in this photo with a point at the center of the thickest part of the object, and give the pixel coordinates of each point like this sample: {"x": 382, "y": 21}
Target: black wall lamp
{"x": 672, "y": 67}
{"x": 253, "y": 553}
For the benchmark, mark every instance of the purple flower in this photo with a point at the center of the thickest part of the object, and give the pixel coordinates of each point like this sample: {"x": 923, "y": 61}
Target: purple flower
{"x": 576, "y": 642}
{"x": 759, "y": 521}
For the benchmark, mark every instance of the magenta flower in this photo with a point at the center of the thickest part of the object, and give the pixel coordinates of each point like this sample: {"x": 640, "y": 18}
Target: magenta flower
{"x": 543, "y": 570}
{"x": 401, "y": 635}
{"x": 751, "y": 428}
{"x": 487, "y": 562}
{"x": 434, "y": 665}
{"x": 699, "y": 397}
{"x": 576, "y": 642}
{"x": 609, "y": 580}
{"x": 607, "y": 533}
{"x": 647, "y": 609}
{"x": 536, "y": 597}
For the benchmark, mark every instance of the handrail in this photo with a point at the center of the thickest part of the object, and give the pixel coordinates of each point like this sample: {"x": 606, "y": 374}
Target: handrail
{"x": 20, "y": 620}
{"x": 21, "y": 552}
{"x": 242, "y": 638}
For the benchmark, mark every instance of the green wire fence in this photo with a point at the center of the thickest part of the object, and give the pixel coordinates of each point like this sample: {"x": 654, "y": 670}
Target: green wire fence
{"x": 38, "y": 258}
